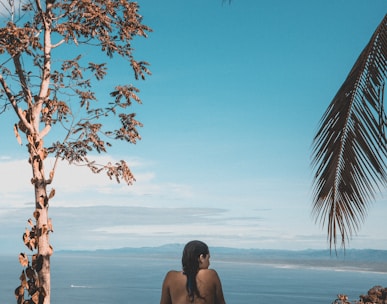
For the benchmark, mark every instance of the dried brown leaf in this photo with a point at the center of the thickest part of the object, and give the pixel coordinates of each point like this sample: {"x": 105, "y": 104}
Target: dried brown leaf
{"x": 32, "y": 244}
{"x": 36, "y": 214}
{"x": 30, "y": 273}
{"x": 35, "y": 297}
{"x": 23, "y": 259}
{"x": 37, "y": 262}
{"x": 19, "y": 291}
{"x": 16, "y": 131}
{"x": 26, "y": 237}
{"x": 49, "y": 225}
{"x": 23, "y": 280}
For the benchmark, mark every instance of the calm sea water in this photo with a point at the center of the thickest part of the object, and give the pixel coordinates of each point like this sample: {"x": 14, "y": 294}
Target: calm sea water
{"x": 81, "y": 279}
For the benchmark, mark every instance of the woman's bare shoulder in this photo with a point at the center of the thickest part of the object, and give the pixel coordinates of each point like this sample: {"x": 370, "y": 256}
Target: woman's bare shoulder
{"x": 208, "y": 273}
{"x": 173, "y": 274}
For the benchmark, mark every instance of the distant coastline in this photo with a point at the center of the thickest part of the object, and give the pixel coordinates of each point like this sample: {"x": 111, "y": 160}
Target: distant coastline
{"x": 367, "y": 260}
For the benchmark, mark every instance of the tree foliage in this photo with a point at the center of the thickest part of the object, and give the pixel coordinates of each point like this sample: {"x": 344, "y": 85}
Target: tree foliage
{"x": 48, "y": 80}
{"x": 349, "y": 152}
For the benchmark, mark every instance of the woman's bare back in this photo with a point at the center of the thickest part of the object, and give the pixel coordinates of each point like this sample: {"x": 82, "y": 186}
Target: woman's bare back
{"x": 174, "y": 288}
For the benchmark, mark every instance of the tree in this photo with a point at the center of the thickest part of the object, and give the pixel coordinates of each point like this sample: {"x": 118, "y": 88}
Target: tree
{"x": 349, "y": 149}
{"x": 54, "y": 93}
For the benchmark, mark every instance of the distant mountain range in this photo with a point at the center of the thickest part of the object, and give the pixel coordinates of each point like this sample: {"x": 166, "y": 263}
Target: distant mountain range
{"x": 357, "y": 259}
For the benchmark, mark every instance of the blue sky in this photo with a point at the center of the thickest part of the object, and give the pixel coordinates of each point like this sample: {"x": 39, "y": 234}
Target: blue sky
{"x": 229, "y": 115}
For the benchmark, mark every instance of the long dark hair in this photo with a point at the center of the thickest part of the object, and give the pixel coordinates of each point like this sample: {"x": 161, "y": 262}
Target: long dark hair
{"x": 190, "y": 260}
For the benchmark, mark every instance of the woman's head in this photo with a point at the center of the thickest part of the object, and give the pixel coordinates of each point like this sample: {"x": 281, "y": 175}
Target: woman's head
{"x": 195, "y": 256}
{"x": 194, "y": 253}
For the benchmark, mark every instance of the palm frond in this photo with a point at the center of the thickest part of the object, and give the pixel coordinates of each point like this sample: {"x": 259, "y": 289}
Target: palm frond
{"x": 349, "y": 149}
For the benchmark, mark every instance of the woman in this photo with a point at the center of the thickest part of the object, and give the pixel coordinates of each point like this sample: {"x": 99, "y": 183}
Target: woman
{"x": 196, "y": 283}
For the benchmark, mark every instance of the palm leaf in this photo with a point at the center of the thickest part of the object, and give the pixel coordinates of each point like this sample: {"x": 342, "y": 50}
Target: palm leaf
{"x": 349, "y": 149}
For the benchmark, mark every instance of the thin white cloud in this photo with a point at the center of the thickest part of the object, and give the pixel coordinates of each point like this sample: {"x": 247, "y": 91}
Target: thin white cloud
{"x": 78, "y": 186}
{"x": 104, "y": 214}
{"x": 112, "y": 227}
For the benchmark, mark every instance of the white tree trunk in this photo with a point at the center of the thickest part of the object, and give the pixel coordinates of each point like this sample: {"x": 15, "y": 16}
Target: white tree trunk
{"x": 42, "y": 223}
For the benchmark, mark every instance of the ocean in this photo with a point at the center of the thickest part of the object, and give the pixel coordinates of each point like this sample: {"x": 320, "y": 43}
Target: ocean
{"x": 89, "y": 278}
